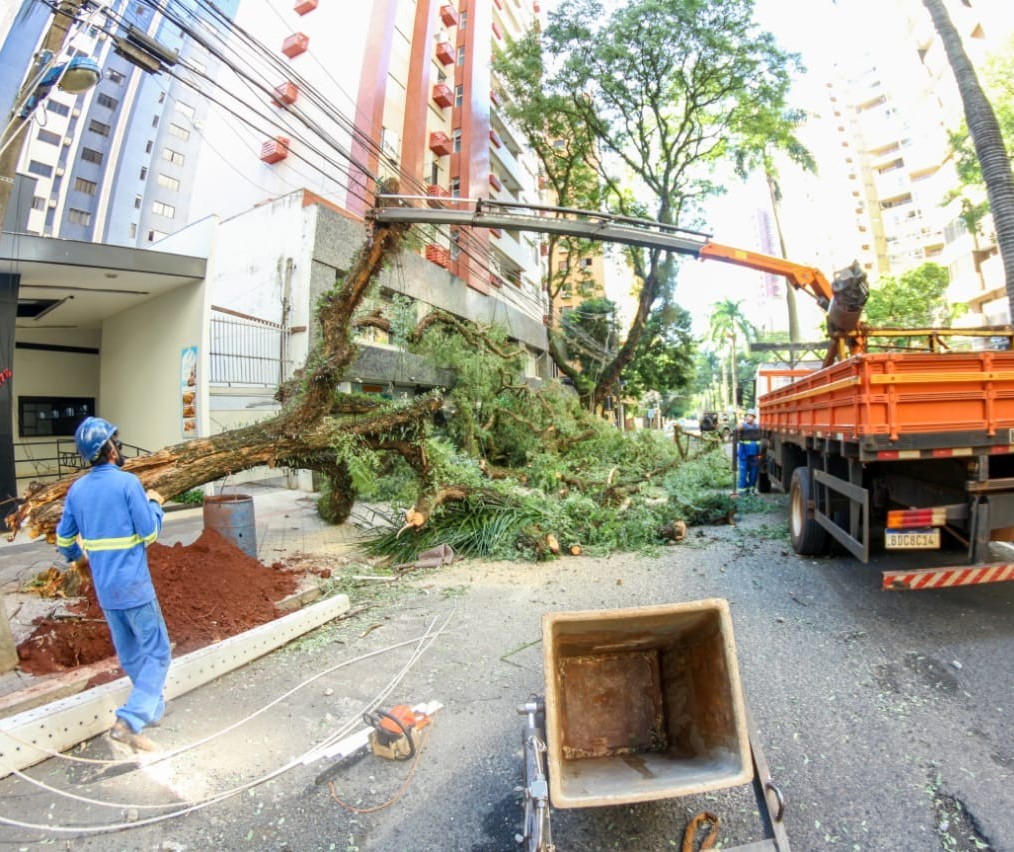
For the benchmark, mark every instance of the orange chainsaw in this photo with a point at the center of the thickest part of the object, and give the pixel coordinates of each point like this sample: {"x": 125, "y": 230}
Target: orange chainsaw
{"x": 396, "y": 731}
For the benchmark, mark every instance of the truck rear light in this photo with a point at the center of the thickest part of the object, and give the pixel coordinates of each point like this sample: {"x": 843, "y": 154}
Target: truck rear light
{"x": 915, "y": 518}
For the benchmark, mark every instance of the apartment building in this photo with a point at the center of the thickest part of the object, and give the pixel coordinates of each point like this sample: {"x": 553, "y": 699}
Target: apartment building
{"x": 893, "y": 104}
{"x": 117, "y": 164}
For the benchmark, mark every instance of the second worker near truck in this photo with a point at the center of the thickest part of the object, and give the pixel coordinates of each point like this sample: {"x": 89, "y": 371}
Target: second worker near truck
{"x": 748, "y": 450}
{"x": 117, "y": 520}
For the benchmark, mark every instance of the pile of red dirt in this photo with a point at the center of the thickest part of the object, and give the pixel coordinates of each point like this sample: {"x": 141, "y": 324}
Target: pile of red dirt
{"x": 207, "y": 590}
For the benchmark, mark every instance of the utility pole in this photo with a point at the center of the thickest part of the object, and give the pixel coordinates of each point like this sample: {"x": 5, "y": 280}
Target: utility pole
{"x": 54, "y": 40}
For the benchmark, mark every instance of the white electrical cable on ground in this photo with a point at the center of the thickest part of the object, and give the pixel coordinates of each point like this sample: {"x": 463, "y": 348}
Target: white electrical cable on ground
{"x": 423, "y": 644}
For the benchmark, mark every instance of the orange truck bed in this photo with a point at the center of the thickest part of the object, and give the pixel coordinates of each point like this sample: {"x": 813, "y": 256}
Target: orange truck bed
{"x": 882, "y": 398}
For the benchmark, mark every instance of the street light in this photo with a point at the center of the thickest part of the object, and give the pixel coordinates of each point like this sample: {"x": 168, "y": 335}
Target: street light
{"x": 74, "y": 77}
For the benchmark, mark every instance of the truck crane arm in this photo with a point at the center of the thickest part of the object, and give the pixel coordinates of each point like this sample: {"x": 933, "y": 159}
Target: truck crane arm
{"x": 843, "y": 299}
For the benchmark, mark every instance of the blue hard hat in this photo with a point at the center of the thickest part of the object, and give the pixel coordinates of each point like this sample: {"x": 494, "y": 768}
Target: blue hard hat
{"x": 91, "y": 437}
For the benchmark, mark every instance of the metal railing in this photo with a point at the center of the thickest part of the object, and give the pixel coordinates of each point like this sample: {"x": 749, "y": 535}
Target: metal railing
{"x": 42, "y": 461}
{"x": 247, "y": 351}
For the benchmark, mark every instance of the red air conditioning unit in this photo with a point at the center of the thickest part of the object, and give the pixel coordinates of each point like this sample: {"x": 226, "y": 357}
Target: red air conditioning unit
{"x": 449, "y": 15}
{"x": 295, "y": 44}
{"x": 494, "y": 137}
{"x": 439, "y": 255}
{"x": 440, "y": 143}
{"x": 494, "y": 98}
{"x": 496, "y": 232}
{"x": 304, "y": 6}
{"x": 544, "y": 249}
{"x": 442, "y": 95}
{"x": 536, "y": 7}
{"x": 495, "y": 182}
{"x": 437, "y": 192}
{"x": 498, "y": 4}
{"x": 497, "y": 31}
{"x": 495, "y": 280}
{"x": 445, "y": 52}
{"x": 285, "y": 94}
{"x": 275, "y": 150}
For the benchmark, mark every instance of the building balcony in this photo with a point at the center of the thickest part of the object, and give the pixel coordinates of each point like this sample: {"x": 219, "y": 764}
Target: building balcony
{"x": 304, "y": 6}
{"x": 437, "y": 192}
{"x": 494, "y": 98}
{"x": 439, "y": 255}
{"x": 497, "y": 31}
{"x": 275, "y": 150}
{"x": 295, "y": 44}
{"x": 285, "y": 94}
{"x": 442, "y": 95}
{"x": 445, "y": 52}
{"x": 449, "y": 15}
{"x": 440, "y": 143}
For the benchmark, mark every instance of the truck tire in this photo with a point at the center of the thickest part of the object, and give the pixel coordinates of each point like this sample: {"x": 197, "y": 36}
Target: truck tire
{"x": 808, "y": 537}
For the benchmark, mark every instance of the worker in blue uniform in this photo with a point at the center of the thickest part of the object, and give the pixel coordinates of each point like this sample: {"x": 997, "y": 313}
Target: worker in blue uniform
{"x": 748, "y": 453}
{"x": 116, "y": 521}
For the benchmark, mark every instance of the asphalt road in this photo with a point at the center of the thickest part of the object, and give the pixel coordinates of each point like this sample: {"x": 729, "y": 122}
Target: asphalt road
{"x": 884, "y": 715}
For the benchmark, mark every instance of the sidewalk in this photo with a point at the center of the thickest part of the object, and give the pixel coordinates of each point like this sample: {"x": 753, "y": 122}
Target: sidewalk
{"x": 286, "y": 524}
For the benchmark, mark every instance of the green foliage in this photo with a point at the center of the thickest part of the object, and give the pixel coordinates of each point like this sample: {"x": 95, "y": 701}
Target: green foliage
{"x": 193, "y": 497}
{"x": 664, "y": 359}
{"x": 916, "y": 299}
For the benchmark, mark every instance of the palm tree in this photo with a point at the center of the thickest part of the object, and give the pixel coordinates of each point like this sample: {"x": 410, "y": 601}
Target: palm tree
{"x": 727, "y": 318}
{"x": 986, "y": 136}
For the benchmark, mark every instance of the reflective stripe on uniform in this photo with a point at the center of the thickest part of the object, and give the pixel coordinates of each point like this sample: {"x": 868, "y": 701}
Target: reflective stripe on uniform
{"x": 65, "y": 542}
{"x": 124, "y": 543}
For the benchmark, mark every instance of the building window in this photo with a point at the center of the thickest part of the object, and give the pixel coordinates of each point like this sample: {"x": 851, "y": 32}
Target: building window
{"x": 154, "y": 235}
{"x": 107, "y": 102}
{"x": 586, "y": 262}
{"x": 168, "y": 182}
{"x": 162, "y": 209}
{"x": 49, "y": 137}
{"x": 459, "y": 95}
{"x": 456, "y": 139}
{"x": 90, "y": 156}
{"x": 40, "y": 169}
{"x": 461, "y": 55}
{"x": 186, "y": 109}
{"x": 88, "y": 187}
{"x": 455, "y": 187}
{"x": 144, "y": 172}
{"x": 161, "y": 97}
{"x": 137, "y": 202}
{"x": 38, "y": 203}
{"x": 79, "y": 217}
{"x": 154, "y": 121}
{"x": 41, "y": 416}
{"x": 174, "y": 157}
{"x": 57, "y": 107}
{"x": 179, "y": 132}
{"x": 133, "y": 230}
{"x": 148, "y": 147}
{"x": 98, "y": 127}
{"x": 114, "y": 76}
{"x": 462, "y": 20}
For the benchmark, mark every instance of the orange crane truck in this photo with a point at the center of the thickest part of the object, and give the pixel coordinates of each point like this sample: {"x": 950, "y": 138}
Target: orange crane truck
{"x": 909, "y": 450}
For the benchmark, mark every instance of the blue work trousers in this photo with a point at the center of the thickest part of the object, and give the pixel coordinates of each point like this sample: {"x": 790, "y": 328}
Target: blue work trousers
{"x": 142, "y": 644}
{"x": 748, "y": 457}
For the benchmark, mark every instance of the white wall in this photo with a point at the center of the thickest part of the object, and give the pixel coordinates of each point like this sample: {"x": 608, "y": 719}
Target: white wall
{"x": 140, "y": 384}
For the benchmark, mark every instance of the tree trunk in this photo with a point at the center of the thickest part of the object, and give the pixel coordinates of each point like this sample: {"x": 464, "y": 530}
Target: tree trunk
{"x": 985, "y": 132}
{"x": 790, "y": 291}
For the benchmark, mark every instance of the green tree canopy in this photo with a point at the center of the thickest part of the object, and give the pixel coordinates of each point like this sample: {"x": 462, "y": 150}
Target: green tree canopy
{"x": 655, "y": 93}
{"x": 915, "y": 299}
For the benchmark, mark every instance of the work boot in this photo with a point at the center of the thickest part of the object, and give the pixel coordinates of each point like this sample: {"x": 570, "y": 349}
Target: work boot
{"x": 138, "y": 742}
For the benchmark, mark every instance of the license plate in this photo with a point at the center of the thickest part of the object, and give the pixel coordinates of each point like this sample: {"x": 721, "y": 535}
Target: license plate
{"x": 928, "y": 539}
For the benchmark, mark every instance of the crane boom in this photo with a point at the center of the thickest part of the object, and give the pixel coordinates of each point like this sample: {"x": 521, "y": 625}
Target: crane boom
{"x": 843, "y": 299}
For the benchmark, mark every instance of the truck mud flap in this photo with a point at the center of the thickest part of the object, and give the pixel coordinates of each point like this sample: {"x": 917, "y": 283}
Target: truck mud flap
{"x": 859, "y": 498}
{"x": 943, "y": 578}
